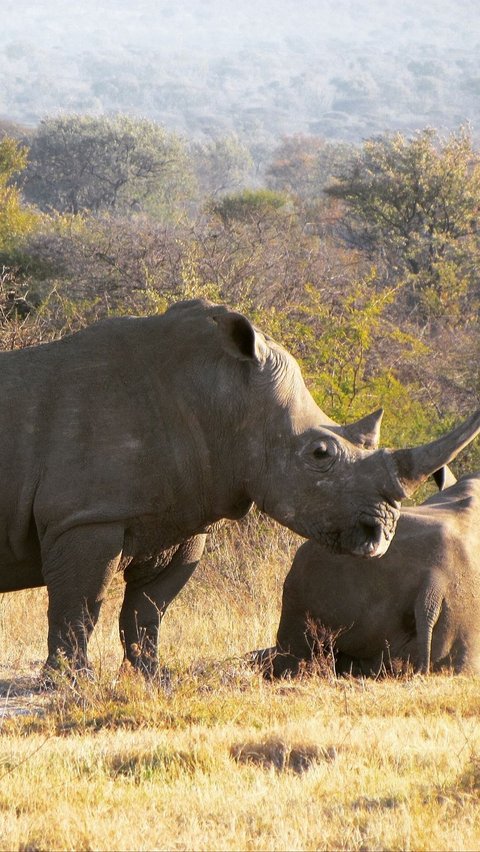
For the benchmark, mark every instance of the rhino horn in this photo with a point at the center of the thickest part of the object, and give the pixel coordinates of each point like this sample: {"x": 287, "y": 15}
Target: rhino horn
{"x": 416, "y": 464}
{"x": 366, "y": 431}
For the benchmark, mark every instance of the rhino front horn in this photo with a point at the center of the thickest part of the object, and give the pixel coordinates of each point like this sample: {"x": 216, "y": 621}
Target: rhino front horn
{"x": 416, "y": 464}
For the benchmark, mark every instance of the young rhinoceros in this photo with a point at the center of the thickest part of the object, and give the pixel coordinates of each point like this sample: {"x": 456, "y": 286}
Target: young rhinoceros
{"x": 419, "y": 603}
{"x": 120, "y": 445}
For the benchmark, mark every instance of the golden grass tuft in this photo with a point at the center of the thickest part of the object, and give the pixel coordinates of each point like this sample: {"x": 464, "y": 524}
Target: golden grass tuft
{"x": 281, "y": 755}
{"x": 216, "y": 757}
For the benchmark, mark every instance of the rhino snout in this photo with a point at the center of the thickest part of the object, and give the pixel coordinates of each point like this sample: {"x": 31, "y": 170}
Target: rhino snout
{"x": 373, "y": 532}
{"x": 375, "y": 540}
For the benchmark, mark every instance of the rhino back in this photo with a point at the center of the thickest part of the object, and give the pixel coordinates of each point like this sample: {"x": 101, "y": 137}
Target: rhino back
{"x": 467, "y": 486}
{"x": 105, "y": 423}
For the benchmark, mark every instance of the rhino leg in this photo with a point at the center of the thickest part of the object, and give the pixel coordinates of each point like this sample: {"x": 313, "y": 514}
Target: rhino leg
{"x": 274, "y": 662}
{"x": 77, "y": 569}
{"x": 263, "y": 659}
{"x": 294, "y": 644}
{"x": 428, "y": 606}
{"x": 145, "y": 602}
{"x": 468, "y": 659}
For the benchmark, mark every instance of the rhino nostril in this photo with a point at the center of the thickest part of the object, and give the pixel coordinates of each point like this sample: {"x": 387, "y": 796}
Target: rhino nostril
{"x": 373, "y": 533}
{"x": 395, "y": 504}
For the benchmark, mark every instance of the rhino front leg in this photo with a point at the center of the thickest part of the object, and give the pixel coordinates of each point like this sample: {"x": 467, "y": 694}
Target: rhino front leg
{"x": 427, "y": 610}
{"x": 77, "y": 568}
{"x": 145, "y": 602}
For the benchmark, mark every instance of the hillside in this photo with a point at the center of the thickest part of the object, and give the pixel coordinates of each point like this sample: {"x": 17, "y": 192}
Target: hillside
{"x": 341, "y": 70}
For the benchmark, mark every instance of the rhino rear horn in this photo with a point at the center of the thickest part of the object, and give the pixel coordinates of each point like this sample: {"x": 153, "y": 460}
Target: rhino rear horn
{"x": 366, "y": 431}
{"x": 416, "y": 464}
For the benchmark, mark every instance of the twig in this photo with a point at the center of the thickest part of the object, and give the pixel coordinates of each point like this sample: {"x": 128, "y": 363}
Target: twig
{"x": 13, "y": 768}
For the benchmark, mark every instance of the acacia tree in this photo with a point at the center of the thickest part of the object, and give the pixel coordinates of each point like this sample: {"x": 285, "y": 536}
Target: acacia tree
{"x": 416, "y": 203}
{"x": 117, "y": 164}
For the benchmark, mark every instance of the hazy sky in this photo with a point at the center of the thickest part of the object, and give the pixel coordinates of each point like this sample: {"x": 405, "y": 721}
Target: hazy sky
{"x": 237, "y": 20}
{"x": 57, "y": 55}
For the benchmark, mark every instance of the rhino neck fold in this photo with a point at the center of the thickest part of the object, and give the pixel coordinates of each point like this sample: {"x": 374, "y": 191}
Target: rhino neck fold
{"x": 210, "y": 460}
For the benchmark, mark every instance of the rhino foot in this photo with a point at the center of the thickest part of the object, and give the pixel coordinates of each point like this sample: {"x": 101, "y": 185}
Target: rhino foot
{"x": 59, "y": 671}
{"x": 263, "y": 660}
{"x": 149, "y": 670}
{"x": 274, "y": 663}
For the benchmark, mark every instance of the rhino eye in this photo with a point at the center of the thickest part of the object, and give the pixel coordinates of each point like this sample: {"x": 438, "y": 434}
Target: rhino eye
{"x": 321, "y": 451}
{"x": 323, "y": 454}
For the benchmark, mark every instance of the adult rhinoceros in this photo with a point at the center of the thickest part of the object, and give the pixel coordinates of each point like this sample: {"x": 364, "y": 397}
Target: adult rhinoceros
{"x": 121, "y": 444}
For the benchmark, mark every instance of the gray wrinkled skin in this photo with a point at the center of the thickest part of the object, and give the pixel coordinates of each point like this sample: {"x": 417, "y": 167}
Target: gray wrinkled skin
{"x": 420, "y": 603}
{"x": 122, "y": 444}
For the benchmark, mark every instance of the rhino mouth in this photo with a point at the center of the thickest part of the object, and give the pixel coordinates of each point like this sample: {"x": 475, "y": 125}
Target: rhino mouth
{"x": 376, "y": 540}
{"x": 369, "y": 535}
{"x": 369, "y": 538}
{"x": 373, "y": 532}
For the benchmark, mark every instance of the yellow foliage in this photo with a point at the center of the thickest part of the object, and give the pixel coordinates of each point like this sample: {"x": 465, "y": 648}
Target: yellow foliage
{"x": 16, "y": 219}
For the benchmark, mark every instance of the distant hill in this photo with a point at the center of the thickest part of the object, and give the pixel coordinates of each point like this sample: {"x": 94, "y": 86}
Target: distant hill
{"x": 343, "y": 69}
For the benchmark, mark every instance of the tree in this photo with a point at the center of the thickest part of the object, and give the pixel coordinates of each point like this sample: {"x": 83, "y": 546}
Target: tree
{"x": 14, "y": 130}
{"x": 303, "y": 165}
{"x": 338, "y": 332}
{"x": 221, "y": 165}
{"x": 251, "y": 205}
{"x": 105, "y": 262}
{"x": 16, "y": 219}
{"x": 416, "y": 202}
{"x": 117, "y": 164}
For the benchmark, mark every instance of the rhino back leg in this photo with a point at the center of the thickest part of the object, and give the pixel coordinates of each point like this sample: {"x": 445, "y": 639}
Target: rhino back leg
{"x": 462, "y": 652}
{"x": 146, "y": 600}
{"x": 77, "y": 568}
{"x": 469, "y": 660}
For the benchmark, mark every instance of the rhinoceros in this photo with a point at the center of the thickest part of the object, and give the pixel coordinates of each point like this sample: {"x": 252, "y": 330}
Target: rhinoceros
{"x": 420, "y": 603}
{"x": 121, "y": 444}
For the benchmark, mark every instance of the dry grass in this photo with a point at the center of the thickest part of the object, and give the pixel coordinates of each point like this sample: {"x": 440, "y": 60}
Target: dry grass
{"x": 222, "y": 759}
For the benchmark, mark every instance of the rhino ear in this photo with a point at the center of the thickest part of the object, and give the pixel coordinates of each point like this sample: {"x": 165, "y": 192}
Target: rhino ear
{"x": 239, "y": 337}
{"x": 444, "y": 477}
{"x": 365, "y": 432}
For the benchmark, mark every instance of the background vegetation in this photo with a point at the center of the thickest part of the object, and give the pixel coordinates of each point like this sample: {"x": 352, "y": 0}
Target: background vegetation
{"x": 363, "y": 261}
{"x": 258, "y": 70}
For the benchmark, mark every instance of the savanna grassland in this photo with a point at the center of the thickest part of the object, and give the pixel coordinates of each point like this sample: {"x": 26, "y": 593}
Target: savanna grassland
{"x": 363, "y": 261}
{"x": 218, "y": 758}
